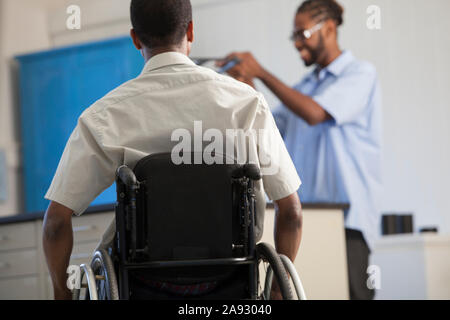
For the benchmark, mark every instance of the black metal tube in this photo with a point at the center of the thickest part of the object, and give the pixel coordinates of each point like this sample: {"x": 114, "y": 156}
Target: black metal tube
{"x": 191, "y": 263}
{"x": 246, "y": 209}
{"x": 126, "y": 176}
{"x": 121, "y": 241}
{"x": 133, "y": 221}
{"x": 251, "y": 238}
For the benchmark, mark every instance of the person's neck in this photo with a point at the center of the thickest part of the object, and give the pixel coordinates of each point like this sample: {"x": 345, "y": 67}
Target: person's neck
{"x": 151, "y": 52}
{"x": 330, "y": 56}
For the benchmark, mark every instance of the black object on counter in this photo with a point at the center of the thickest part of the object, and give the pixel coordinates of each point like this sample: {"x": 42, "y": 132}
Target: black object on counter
{"x": 388, "y": 224}
{"x": 397, "y": 224}
{"x": 406, "y": 224}
{"x": 429, "y": 230}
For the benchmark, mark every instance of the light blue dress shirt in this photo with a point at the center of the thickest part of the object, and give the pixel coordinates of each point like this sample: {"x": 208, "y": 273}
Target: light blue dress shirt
{"x": 340, "y": 160}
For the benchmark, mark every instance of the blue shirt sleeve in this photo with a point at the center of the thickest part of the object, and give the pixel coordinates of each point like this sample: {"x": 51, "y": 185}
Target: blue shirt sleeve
{"x": 349, "y": 95}
{"x": 281, "y": 119}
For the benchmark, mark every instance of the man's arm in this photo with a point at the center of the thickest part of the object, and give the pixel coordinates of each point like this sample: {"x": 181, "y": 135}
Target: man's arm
{"x": 303, "y": 106}
{"x": 287, "y": 232}
{"x": 288, "y": 226}
{"x": 58, "y": 243}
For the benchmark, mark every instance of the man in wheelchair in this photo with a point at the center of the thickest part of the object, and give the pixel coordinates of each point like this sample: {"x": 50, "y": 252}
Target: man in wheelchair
{"x": 205, "y": 216}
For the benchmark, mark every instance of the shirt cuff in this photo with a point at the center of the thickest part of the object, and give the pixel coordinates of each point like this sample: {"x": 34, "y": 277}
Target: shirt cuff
{"x": 67, "y": 202}
{"x": 284, "y": 191}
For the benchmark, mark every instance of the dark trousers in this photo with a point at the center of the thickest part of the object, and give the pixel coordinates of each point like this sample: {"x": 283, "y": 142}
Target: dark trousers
{"x": 358, "y": 261}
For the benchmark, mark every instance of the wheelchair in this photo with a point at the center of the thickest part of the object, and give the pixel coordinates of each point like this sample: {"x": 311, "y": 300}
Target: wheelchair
{"x": 186, "y": 232}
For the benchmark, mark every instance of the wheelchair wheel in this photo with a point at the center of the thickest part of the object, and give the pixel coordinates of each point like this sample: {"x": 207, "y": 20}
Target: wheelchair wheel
{"x": 105, "y": 276}
{"x": 87, "y": 285}
{"x": 267, "y": 253}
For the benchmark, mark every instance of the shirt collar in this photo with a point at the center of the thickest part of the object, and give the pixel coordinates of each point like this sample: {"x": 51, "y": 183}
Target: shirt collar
{"x": 335, "y": 68}
{"x": 340, "y": 63}
{"x": 166, "y": 59}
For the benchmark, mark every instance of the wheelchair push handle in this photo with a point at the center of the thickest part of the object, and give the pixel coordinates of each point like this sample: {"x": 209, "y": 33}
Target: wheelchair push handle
{"x": 250, "y": 171}
{"x": 126, "y": 176}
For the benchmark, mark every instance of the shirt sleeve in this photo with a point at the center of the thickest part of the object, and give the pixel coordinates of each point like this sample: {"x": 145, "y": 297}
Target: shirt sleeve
{"x": 280, "y": 178}
{"x": 348, "y": 97}
{"x": 84, "y": 170}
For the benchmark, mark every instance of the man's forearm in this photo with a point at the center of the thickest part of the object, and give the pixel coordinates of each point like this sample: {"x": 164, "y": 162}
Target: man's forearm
{"x": 288, "y": 233}
{"x": 303, "y": 106}
{"x": 58, "y": 243}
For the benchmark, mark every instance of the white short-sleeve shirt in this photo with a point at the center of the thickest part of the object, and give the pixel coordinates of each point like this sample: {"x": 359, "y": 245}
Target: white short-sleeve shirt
{"x": 139, "y": 118}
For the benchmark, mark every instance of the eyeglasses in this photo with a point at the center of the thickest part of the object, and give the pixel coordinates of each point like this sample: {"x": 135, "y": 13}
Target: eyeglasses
{"x": 303, "y": 35}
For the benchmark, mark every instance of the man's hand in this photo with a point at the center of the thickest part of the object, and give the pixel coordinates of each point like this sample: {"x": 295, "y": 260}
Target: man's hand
{"x": 58, "y": 243}
{"x": 303, "y": 106}
{"x": 65, "y": 294}
{"x": 246, "y": 81}
{"x": 275, "y": 293}
{"x": 247, "y": 70}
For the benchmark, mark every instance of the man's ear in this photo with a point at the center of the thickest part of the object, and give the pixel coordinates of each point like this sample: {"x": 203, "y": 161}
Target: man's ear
{"x": 330, "y": 28}
{"x": 137, "y": 43}
{"x": 190, "y": 32}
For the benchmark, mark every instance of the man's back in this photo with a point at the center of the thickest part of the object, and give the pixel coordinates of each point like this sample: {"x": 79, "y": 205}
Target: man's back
{"x": 143, "y": 116}
{"x": 171, "y": 93}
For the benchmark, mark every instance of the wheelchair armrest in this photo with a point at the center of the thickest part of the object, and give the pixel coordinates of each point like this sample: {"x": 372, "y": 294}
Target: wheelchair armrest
{"x": 127, "y": 176}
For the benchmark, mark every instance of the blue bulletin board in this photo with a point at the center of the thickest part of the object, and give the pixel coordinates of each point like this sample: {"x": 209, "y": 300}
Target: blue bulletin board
{"x": 55, "y": 88}
{"x": 3, "y": 177}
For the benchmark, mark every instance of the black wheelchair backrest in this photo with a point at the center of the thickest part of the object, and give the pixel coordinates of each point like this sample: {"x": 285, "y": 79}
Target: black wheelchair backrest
{"x": 187, "y": 211}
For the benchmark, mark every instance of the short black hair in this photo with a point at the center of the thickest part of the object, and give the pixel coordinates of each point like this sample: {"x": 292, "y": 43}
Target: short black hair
{"x": 323, "y": 9}
{"x": 160, "y": 23}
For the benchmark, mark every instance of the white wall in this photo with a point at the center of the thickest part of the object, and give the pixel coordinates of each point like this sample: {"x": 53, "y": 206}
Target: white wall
{"x": 409, "y": 52}
{"x": 100, "y": 19}
{"x": 411, "y": 55}
{"x": 23, "y": 28}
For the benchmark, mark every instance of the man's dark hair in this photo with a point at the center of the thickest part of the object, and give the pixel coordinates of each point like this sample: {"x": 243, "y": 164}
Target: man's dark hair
{"x": 160, "y": 23}
{"x": 323, "y": 9}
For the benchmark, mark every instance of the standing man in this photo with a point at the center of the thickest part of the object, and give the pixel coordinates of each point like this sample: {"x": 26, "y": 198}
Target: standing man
{"x": 331, "y": 124}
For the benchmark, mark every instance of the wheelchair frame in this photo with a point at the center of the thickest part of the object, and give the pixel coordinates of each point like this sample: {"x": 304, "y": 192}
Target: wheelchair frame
{"x": 126, "y": 180}
{"x": 126, "y": 212}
